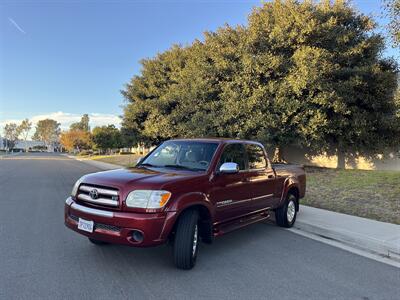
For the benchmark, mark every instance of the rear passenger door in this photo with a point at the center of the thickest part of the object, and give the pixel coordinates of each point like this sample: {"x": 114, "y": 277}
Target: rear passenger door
{"x": 260, "y": 178}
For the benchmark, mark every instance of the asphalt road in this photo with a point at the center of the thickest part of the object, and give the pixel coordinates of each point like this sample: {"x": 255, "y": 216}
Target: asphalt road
{"x": 42, "y": 259}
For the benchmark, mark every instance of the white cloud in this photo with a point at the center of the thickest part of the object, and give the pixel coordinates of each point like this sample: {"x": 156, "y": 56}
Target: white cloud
{"x": 66, "y": 119}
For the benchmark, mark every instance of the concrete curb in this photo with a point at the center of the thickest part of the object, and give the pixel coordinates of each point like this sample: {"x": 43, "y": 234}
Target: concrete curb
{"x": 365, "y": 234}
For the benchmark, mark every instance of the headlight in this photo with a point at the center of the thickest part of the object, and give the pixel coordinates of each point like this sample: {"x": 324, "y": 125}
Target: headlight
{"x": 147, "y": 198}
{"x": 76, "y": 186}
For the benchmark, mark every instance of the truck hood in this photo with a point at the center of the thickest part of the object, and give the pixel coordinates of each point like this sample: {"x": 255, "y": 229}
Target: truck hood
{"x": 139, "y": 178}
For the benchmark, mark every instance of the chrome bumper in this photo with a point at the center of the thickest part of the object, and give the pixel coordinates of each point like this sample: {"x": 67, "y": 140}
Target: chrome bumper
{"x": 88, "y": 210}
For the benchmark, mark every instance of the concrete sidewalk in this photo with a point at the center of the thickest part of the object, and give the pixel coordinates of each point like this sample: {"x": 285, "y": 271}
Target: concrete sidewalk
{"x": 365, "y": 234}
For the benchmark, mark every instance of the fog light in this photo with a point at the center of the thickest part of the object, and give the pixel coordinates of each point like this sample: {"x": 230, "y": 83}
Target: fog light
{"x": 137, "y": 236}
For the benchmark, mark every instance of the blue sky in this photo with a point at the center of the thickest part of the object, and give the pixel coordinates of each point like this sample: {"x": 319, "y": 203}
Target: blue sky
{"x": 61, "y": 59}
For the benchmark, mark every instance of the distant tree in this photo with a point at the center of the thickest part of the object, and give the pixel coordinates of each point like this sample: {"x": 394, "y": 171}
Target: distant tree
{"x": 302, "y": 73}
{"x": 47, "y": 131}
{"x": 67, "y": 140}
{"x": 75, "y": 140}
{"x": 83, "y": 124}
{"x": 392, "y": 8}
{"x": 106, "y": 137}
{"x": 24, "y": 128}
{"x": 11, "y": 134}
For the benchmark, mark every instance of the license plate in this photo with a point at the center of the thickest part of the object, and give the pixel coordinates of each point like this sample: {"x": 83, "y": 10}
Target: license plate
{"x": 85, "y": 225}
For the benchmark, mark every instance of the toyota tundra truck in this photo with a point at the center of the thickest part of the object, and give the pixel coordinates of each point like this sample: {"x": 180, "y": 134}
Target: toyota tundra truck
{"x": 185, "y": 191}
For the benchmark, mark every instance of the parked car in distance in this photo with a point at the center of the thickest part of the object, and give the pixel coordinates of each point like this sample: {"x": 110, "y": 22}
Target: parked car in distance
{"x": 185, "y": 190}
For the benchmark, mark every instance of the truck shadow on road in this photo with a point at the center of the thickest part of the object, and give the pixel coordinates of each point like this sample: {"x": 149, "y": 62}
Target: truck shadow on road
{"x": 222, "y": 252}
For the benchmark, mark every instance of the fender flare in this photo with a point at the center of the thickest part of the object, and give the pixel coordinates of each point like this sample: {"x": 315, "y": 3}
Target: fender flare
{"x": 192, "y": 199}
{"x": 290, "y": 182}
{"x": 181, "y": 204}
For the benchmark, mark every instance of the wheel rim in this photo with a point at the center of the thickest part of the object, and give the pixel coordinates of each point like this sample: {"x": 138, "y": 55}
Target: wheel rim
{"x": 291, "y": 211}
{"x": 194, "y": 247}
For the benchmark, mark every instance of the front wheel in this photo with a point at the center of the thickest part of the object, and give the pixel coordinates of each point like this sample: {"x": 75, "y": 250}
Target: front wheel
{"x": 186, "y": 240}
{"x": 286, "y": 214}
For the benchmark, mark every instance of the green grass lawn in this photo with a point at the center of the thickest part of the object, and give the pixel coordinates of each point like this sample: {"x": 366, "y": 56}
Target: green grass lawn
{"x": 126, "y": 160}
{"x": 369, "y": 194}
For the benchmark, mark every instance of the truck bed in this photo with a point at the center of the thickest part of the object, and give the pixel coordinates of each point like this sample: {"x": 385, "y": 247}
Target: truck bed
{"x": 284, "y": 171}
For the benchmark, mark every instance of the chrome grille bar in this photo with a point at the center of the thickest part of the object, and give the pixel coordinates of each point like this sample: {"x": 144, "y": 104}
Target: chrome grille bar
{"x": 101, "y": 191}
{"x": 100, "y": 201}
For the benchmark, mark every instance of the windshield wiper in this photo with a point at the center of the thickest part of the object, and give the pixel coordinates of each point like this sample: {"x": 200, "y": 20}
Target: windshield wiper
{"x": 147, "y": 165}
{"x": 182, "y": 167}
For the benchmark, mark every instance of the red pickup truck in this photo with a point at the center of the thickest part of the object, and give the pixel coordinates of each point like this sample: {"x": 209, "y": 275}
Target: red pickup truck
{"x": 184, "y": 191}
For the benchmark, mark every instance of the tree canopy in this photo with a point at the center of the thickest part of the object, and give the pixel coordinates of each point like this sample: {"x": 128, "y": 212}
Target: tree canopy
{"x": 298, "y": 73}
{"x": 11, "y": 134}
{"x": 75, "y": 139}
{"x": 392, "y": 8}
{"x": 83, "y": 124}
{"x": 47, "y": 131}
{"x": 24, "y": 128}
{"x": 106, "y": 137}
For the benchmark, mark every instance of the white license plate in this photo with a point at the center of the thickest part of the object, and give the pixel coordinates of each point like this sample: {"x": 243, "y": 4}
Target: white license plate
{"x": 85, "y": 225}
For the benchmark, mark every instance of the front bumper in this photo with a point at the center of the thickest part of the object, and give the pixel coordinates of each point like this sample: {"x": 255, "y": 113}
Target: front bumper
{"x": 117, "y": 227}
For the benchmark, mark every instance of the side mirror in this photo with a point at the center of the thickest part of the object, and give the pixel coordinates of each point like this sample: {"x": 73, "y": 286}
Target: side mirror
{"x": 229, "y": 168}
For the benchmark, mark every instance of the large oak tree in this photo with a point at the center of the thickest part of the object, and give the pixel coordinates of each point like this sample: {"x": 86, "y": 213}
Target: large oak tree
{"x": 298, "y": 73}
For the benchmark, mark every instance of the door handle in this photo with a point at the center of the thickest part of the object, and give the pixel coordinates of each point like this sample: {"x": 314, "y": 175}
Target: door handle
{"x": 270, "y": 176}
{"x": 246, "y": 180}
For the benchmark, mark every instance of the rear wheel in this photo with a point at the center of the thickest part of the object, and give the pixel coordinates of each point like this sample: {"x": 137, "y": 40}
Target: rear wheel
{"x": 286, "y": 214}
{"x": 97, "y": 242}
{"x": 186, "y": 240}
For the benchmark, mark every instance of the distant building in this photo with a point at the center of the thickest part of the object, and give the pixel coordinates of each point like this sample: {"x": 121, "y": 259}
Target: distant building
{"x": 29, "y": 144}
{"x": 24, "y": 145}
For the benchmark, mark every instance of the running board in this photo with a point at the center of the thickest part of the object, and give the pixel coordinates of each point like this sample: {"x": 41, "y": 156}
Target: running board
{"x": 224, "y": 228}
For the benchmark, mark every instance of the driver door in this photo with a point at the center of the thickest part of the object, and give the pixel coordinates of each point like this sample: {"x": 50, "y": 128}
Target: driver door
{"x": 230, "y": 193}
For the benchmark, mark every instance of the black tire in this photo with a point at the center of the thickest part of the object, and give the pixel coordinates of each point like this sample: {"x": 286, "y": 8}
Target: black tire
{"x": 282, "y": 217}
{"x": 97, "y": 242}
{"x": 186, "y": 241}
{"x": 206, "y": 232}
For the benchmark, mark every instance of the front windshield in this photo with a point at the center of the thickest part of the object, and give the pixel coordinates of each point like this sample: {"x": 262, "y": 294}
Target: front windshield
{"x": 191, "y": 155}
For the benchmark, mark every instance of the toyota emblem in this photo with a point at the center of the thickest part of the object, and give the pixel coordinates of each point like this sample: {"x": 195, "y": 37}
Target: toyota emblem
{"x": 94, "y": 194}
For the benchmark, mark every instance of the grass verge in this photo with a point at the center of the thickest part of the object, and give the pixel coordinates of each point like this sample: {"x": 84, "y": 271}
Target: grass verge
{"x": 368, "y": 194}
{"x": 126, "y": 160}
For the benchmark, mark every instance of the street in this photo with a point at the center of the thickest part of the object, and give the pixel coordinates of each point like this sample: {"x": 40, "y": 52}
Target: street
{"x": 41, "y": 259}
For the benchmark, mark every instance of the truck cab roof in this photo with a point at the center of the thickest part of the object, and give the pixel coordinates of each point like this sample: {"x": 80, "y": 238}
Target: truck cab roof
{"x": 220, "y": 140}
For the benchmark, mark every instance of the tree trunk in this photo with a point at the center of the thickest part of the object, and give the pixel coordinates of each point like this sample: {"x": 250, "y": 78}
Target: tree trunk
{"x": 278, "y": 156}
{"x": 341, "y": 159}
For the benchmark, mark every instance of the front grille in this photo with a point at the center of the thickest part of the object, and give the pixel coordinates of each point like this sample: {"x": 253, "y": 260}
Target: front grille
{"x": 99, "y": 225}
{"x": 107, "y": 227}
{"x": 75, "y": 218}
{"x": 98, "y": 195}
